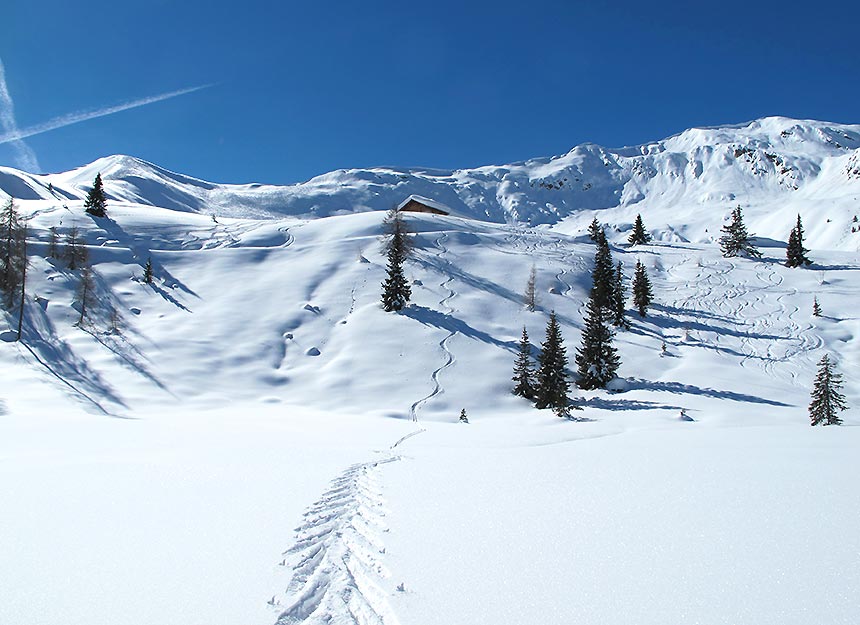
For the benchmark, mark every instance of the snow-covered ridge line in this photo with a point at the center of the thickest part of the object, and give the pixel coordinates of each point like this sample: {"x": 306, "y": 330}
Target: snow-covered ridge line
{"x": 769, "y": 164}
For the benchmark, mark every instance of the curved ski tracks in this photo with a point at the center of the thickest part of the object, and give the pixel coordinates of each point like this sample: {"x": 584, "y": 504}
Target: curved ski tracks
{"x": 443, "y": 344}
{"x": 338, "y": 550}
{"x": 759, "y": 341}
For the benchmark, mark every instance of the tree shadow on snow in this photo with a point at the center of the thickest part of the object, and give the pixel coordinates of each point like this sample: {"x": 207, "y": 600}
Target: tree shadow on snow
{"x": 141, "y": 253}
{"x": 454, "y": 325}
{"x": 602, "y": 403}
{"x": 40, "y": 338}
{"x": 696, "y": 321}
{"x": 445, "y": 268}
{"x": 690, "y": 389}
{"x": 127, "y": 353}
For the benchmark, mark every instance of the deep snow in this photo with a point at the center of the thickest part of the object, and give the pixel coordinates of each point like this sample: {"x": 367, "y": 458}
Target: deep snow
{"x": 257, "y": 412}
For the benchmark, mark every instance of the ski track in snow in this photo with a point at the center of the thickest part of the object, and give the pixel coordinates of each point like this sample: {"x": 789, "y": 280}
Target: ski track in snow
{"x": 759, "y": 340}
{"x": 338, "y": 554}
{"x": 443, "y": 344}
{"x": 547, "y": 246}
{"x": 339, "y": 546}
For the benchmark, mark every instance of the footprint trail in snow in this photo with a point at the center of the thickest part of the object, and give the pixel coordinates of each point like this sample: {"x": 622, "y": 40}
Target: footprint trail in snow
{"x": 338, "y": 555}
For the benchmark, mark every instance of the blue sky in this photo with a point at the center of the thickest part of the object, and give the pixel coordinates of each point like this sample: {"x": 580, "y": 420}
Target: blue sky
{"x": 301, "y": 88}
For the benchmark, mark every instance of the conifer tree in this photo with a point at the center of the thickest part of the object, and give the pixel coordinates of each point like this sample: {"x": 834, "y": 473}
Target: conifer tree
{"x": 618, "y": 311}
{"x": 642, "y": 294}
{"x": 827, "y": 401}
{"x": 639, "y": 236}
{"x": 23, "y": 267}
{"x": 595, "y": 230}
{"x": 737, "y": 241}
{"x": 75, "y": 251}
{"x": 523, "y": 369}
{"x": 147, "y": 271}
{"x": 86, "y": 292}
{"x": 552, "y": 382}
{"x": 114, "y": 322}
{"x": 463, "y": 417}
{"x": 596, "y": 359}
{"x": 396, "y": 291}
{"x": 96, "y": 202}
{"x": 816, "y": 307}
{"x": 13, "y": 253}
{"x": 603, "y": 275}
{"x": 795, "y": 253}
{"x": 530, "y": 295}
{"x": 53, "y": 242}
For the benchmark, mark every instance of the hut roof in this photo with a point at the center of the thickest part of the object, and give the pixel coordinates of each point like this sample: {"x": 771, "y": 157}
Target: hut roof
{"x": 426, "y": 201}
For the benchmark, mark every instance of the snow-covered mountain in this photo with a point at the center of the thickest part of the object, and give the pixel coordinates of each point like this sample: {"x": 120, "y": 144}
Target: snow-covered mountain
{"x": 774, "y": 167}
{"x": 155, "y": 459}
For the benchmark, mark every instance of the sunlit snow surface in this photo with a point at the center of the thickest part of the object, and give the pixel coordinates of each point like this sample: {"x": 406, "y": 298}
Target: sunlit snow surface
{"x": 240, "y": 451}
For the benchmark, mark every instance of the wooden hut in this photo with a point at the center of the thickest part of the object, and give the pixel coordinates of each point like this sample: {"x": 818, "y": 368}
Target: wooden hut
{"x": 419, "y": 204}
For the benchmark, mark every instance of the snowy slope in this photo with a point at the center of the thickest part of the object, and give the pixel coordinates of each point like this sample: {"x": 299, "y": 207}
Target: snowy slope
{"x": 287, "y": 452}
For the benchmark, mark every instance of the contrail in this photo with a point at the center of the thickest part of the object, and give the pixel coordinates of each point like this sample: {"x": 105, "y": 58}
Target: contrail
{"x": 25, "y": 157}
{"x": 17, "y": 134}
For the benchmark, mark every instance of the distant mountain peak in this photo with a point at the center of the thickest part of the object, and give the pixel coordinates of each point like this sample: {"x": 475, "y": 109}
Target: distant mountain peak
{"x": 769, "y": 162}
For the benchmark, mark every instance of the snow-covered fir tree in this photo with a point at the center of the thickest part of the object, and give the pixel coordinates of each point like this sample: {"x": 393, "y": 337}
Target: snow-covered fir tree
{"x": 642, "y": 293}
{"x": 524, "y": 369}
{"x": 827, "y": 400}
{"x": 618, "y": 311}
{"x": 596, "y": 359}
{"x": 96, "y": 202}
{"x": 603, "y": 275}
{"x": 737, "y": 241}
{"x": 595, "y": 230}
{"x": 147, "y": 271}
{"x": 816, "y": 307}
{"x": 795, "y": 253}
{"x": 396, "y": 291}
{"x": 13, "y": 253}
{"x": 552, "y": 382}
{"x": 639, "y": 236}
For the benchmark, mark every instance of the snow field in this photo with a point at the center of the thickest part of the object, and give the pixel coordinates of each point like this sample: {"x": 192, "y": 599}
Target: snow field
{"x": 259, "y": 367}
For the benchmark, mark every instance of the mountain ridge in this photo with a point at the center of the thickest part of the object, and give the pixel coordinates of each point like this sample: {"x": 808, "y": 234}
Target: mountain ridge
{"x": 761, "y": 164}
